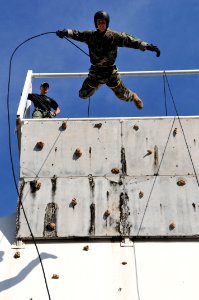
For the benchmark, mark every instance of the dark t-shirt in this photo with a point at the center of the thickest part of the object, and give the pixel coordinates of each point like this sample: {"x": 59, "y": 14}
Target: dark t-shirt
{"x": 43, "y": 102}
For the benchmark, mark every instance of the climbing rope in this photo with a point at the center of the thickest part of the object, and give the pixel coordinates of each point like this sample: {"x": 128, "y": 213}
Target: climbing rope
{"x": 187, "y": 146}
{"x": 136, "y": 271}
{"x": 11, "y": 156}
{"x": 145, "y": 210}
{"x": 165, "y": 96}
{"x": 155, "y": 178}
{"x": 176, "y": 110}
{"x": 89, "y": 102}
{"x": 89, "y": 107}
{"x": 76, "y": 46}
{"x": 10, "y": 143}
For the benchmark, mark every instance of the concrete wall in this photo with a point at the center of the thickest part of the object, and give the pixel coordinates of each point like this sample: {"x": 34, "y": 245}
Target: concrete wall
{"x": 133, "y": 177}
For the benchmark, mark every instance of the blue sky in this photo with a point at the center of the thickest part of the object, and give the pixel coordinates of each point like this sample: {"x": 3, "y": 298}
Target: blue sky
{"x": 172, "y": 25}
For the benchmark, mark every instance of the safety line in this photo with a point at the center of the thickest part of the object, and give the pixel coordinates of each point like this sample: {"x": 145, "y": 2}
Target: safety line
{"x": 136, "y": 272}
{"x": 146, "y": 207}
{"x": 10, "y": 147}
{"x": 155, "y": 178}
{"x": 135, "y": 256}
{"x": 76, "y": 46}
{"x": 175, "y": 107}
{"x": 11, "y": 156}
{"x": 182, "y": 131}
{"x": 88, "y": 56}
{"x": 89, "y": 107}
{"x": 165, "y": 96}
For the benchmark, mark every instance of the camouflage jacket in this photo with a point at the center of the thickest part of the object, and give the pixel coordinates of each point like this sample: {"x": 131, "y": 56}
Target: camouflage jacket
{"x": 103, "y": 46}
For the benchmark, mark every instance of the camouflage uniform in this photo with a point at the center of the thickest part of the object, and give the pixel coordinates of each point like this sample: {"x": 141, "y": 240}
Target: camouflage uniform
{"x": 103, "y": 53}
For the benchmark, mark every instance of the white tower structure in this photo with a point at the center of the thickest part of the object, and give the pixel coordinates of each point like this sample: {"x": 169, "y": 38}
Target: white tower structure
{"x": 112, "y": 204}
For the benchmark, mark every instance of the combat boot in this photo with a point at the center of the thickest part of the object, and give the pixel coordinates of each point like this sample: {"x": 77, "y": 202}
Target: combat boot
{"x": 138, "y": 102}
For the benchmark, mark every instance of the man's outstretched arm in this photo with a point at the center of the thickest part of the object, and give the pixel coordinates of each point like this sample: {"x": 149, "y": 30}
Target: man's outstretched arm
{"x": 127, "y": 40}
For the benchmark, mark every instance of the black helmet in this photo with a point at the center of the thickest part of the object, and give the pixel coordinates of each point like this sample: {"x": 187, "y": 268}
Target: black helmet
{"x": 101, "y": 15}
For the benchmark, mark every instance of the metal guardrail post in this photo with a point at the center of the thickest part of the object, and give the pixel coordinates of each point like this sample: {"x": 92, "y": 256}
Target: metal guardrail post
{"x": 24, "y": 104}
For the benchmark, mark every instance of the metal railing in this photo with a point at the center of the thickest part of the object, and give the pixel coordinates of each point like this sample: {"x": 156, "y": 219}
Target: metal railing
{"x": 24, "y": 104}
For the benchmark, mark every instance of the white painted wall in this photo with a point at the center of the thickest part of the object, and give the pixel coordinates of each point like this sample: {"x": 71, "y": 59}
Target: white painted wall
{"x": 164, "y": 270}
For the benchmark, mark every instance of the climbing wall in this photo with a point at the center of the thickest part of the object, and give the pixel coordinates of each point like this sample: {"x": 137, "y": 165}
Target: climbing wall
{"x": 109, "y": 177}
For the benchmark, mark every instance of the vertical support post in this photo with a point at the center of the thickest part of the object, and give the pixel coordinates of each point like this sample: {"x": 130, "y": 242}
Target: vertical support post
{"x": 24, "y": 104}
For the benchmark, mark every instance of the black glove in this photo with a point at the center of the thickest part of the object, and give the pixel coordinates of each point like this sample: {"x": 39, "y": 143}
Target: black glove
{"x": 151, "y": 47}
{"x": 62, "y": 33}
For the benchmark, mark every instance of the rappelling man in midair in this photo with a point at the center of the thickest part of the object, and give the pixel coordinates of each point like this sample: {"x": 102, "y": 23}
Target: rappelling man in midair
{"x": 103, "y": 44}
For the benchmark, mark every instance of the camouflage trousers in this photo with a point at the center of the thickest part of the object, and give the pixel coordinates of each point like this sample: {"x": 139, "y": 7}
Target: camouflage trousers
{"x": 105, "y": 75}
{"x": 40, "y": 114}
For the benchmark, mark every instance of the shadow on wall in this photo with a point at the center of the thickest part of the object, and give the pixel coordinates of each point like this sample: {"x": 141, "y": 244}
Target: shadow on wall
{"x": 8, "y": 283}
{"x": 8, "y": 227}
{"x": 1, "y": 255}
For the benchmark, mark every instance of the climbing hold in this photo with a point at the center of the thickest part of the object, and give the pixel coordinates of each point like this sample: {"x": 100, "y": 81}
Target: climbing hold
{"x": 38, "y": 185}
{"x": 141, "y": 194}
{"x": 115, "y": 171}
{"x": 135, "y": 127}
{"x": 51, "y": 226}
{"x": 98, "y": 125}
{"x": 172, "y": 226}
{"x": 17, "y": 254}
{"x": 78, "y": 152}
{"x": 64, "y": 125}
{"x": 175, "y": 132}
{"x": 107, "y": 213}
{"x": 181, "y": 182}
{"x": 86, "y": 248}
{"x": 73, "y": 202}
{"x": 35, "y": 186}
{"x": 55, "y": 276}
{"x": 39, "y": 145}
{"x": 149, "y": 152}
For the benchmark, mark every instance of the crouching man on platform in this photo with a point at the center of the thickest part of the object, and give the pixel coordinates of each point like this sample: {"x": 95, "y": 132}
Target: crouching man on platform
{"x": 43, "y": 104}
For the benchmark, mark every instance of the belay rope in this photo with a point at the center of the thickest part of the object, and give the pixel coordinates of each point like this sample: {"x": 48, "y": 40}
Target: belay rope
{"x": 10, "y": 145}
{"x": 11, "y": 156}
